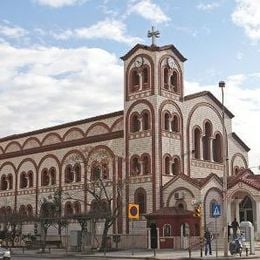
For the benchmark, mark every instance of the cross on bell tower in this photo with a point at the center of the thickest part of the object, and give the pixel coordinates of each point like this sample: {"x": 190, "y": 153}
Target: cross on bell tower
{"x": 153, "y": 34}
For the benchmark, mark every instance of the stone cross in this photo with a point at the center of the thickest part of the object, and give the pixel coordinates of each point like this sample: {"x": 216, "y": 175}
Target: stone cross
{"x": 153, "y": 34}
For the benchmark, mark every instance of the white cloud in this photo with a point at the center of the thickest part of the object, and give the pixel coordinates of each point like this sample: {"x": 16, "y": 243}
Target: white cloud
{"x": 208, "y": 7}
{"x": 244, "y": 103}
{"x": 11, "y": 31}
{"x": 108, "y": 29}
{"x": 59, "y": 3}
{"x": 247, "y": 16}
{"x": 148, "y": 10}
{"x": 42, "y": 87}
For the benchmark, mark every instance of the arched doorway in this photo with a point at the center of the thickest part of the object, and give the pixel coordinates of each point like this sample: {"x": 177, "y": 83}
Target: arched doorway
{"x": 246, "y": 212}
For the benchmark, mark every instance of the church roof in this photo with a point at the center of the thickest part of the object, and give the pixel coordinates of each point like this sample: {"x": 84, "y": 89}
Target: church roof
{"x": 211, "y": 96}
{"x": 245, "y": 176}
{"x": 154, "y": 48}
{"x": 236, "y": 137}
{"x": 57, "y": 127}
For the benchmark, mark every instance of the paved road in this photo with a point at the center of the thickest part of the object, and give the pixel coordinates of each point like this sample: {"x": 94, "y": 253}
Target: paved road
{"x": 54, "y": 258}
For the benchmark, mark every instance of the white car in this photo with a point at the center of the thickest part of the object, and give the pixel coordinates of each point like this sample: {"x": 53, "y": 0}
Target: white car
{"x": 5, "y": 253}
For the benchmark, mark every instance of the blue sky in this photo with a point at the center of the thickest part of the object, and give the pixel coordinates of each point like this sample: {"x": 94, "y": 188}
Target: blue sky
{"x": 51, "y": 52}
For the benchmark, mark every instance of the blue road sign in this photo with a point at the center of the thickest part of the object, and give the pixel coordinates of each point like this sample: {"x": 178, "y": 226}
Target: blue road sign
{"x": 216, "y": 210}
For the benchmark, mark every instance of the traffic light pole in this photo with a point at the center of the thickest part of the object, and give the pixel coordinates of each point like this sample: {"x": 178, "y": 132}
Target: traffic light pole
{"x": 201, "y": 232}
{"x": 132, "y": 236}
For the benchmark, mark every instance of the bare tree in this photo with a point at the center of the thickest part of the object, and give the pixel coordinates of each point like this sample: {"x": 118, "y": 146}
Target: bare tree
{"x": 105, "y": 193}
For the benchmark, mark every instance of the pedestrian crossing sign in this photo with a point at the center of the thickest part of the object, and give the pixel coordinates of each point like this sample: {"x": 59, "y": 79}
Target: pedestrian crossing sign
{"x": 216, "y": 210}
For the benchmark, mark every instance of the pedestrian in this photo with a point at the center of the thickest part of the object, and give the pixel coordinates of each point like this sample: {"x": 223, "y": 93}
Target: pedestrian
{"x": 208, "y": 237}
{"x": 235, "y": 227}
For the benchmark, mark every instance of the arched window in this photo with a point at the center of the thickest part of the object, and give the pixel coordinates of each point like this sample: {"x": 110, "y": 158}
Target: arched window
{"x": 167, "y": 160}
{"x": 135, "y": 166}
{"x": 105, "y": 206}
{"x": 145, "y": 78}
{"x": 3, "y": 183}
{"x": 30, "y": 179}
{"x": 135, "y": 81}
{"x": 29, "y": 210}
{"x": 146, "y": 121}
{"x": 174, "y": 82}
{"x": 167, "y": 230}
{"x": 236, "y": 170}
{"x": 176, "y": 166}
{"x": 167, "y": 121}
{"x": 105, "y": 171}
{"x": 52, "y": 176}
{"x": 68, "y": 210}
{"x": 77, "y": 170}
{"x": 175, "y": 124}
{"x": 197, "y": 135}
{"x": 135, "y": 123}
{"x": 45, "y": 177}
{"x": 95, "y": 172}
{"x": 140, "y": 198}
{"x": 77, "y": 208}
{"x": 10, "y": 181}
{"x": 69, "y": 174}
{"x": 23, "y": 180}
{"x": 22, "y": 210}
{"x": 165, "y": 78}
{"x": 146, "y": 164}
{"x": 94, "y": 206}
{"x": 206, "y": 141}
{"x": 217, "y": 148}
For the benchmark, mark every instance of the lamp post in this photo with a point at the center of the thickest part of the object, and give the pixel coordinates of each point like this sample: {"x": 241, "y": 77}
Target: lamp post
{"x": 224, "y": 156}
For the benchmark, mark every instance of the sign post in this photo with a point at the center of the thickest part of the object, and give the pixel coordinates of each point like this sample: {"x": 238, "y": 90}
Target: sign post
{"x": 216, "y": 212}
{"x": 133, "y": 213}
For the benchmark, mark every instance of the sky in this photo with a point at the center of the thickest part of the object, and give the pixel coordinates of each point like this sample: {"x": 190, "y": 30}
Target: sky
{"x": 60, "y": 59}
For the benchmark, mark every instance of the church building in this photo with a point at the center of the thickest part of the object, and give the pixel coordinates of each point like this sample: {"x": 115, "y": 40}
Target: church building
{"x": 166, "y": 147}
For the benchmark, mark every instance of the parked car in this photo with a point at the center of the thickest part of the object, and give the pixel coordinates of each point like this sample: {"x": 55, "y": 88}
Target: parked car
{"x": 5, "y": 253}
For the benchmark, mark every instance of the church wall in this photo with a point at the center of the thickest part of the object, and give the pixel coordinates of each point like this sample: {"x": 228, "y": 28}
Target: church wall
{"x": 56, "y": 134}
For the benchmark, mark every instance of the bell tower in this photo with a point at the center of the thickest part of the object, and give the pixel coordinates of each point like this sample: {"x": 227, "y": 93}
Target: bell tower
{"x": 153, "y": 87}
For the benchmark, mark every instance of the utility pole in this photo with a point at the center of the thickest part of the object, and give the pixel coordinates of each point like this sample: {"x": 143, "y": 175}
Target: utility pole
{"x": 224, "y": 156}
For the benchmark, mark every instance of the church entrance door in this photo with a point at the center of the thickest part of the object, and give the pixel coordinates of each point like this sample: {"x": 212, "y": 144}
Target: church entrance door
{"x": 246, "y": 210}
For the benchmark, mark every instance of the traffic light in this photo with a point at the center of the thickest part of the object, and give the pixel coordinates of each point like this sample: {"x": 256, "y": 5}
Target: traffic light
{"x": 133, "y": 211}
{"x": 197, "y": 211}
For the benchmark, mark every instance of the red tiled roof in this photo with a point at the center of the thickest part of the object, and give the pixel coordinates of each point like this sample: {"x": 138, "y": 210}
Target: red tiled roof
{"x": 154, "y": 48}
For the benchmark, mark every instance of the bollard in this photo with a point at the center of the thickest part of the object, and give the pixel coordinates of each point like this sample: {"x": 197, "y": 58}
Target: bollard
{"x": 246, "y": 251}
{"x": 23, "y": 249}
{"x": 189, "y": 252}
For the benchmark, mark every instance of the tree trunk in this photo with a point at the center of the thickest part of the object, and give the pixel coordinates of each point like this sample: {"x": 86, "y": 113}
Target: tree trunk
{"x": 45, "y": 230}
{"x": 104, "y": 236}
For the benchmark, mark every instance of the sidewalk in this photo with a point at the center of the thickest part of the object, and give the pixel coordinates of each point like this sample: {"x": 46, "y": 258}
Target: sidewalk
{"x": 129, "y": 254}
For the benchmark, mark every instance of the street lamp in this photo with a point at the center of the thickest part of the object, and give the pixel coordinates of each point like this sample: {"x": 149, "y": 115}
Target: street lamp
{"x": 221, "y": 84}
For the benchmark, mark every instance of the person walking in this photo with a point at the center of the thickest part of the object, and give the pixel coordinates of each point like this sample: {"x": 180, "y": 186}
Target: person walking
{"x": 208, "y": 237}
{"x": 235, "y": 227}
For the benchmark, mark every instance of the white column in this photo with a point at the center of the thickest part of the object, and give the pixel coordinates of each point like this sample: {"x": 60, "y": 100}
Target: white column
{"x": 211, "y": 149}
{"x": 149, "y": 238}
{"x": 257, "y": 217}
{"x": 229, "y": 220}
{"x": 237, "y": 201}
{"x": 170, "y": 123}
{"x": 140, "y": 124}
{"x": 158, "y": 238}
{"x": 201, "y": 147}
{"x": 140, "y": 80}
{"x": 141, "y": 162}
